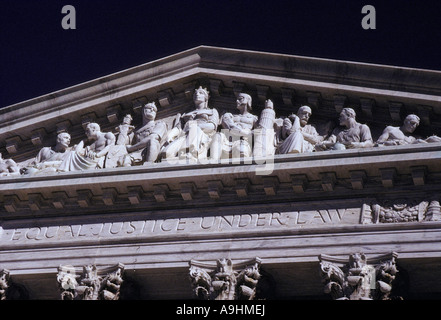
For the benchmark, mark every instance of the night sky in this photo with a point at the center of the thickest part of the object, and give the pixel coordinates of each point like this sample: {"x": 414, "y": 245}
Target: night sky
{"x": 38, "y": 56}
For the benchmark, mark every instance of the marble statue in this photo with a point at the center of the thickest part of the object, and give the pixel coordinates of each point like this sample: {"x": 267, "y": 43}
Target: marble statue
{"x": 297, "y": 135}
{"x": 145, "y": 141}
{"x": 8, "y": 167}
{"x": 239, "y": 127}
{"x": 49, "y": 159}
{"x": 265, "y": 138}
{"x": 352, "y": 135}
{"x": 124, "y": 130}
{"x": 195, "y": 138}
{"x": 90, "y": 153}
{"x": 393, "y": 136}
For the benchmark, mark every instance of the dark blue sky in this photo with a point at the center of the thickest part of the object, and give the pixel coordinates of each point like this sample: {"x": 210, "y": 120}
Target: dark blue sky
{"x": 38, "y": 56}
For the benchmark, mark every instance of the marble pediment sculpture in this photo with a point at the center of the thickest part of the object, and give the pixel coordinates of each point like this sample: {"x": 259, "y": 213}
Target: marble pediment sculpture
{"x": 8, "y": 167}
{"x": 297, "y": 136}
{"x": 144, "y": 143}
{"x": 199, "y": 126}
{"x": 393, "y": 136}
{"x": 202, "y": 134}
{"x": 239, "y": 126}
{"x": 351, "y": 134}
{"x": 91, "y": 152}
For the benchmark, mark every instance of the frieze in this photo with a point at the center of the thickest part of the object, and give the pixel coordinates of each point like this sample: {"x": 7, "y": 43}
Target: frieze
{"x": 370, "y": 212}
{"x": 186, "y": 225}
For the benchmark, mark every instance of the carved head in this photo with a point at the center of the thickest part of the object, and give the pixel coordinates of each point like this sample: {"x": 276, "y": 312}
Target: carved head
{"x": 149, "y": 111}
{"x": 63, "y": 140}
{"x": 201, "y": 95}
{"x": 346, "y": 115}
{"x": 244, "y": 100}
{"x": 269, "y": 104}
{"x": 92, "y": 130}
{"x": 127, "y": 119}
{"x": 304, "y": 113}
{"x": 411, "y": 122}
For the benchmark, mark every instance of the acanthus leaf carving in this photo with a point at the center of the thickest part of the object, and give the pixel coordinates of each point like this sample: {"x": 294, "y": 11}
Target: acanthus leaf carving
{"x": 356, "y": 278}
{"x": 225, "y": 280}
{"x": 91, "y": 283}
{"x": 4, "y": 283}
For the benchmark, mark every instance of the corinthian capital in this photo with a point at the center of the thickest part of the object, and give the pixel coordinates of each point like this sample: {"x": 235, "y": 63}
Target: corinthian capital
{"x": 356, "y": 278}
{"x": 225, "y": 280}
{"x": 90, "y": 283}
{"x": 4, "y": 283}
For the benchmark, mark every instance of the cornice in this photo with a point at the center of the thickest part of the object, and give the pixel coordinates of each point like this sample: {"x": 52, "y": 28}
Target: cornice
{"x": 388, "y": 171}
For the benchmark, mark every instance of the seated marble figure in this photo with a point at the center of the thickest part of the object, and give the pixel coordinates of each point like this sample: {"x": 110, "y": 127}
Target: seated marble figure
{"x": 350, "y": 135}
{"x": 143, "y": 145}
{"x": 89, "y": 153}
{"x": 240, "y": 127}
{"x": 297, "y": 135}
{"x": 393, "y": 136}
{"x": 49, "y": 159}
{"x": 199, "y": 126}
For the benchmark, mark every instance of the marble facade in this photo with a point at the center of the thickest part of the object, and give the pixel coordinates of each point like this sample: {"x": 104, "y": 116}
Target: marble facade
{"x": 225, "y": 174}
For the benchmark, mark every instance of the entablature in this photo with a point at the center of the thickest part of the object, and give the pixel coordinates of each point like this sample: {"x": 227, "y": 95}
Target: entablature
{"x": 373, "y": 172}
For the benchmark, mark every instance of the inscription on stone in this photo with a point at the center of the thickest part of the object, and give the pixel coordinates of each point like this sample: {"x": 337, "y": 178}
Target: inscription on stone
{"x": 186, "y": 225}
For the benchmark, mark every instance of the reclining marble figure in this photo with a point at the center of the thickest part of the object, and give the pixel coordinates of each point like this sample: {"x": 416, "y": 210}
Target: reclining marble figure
{"x": 393, "y": 136}
{"x": 8, "y": 167}
{"x": 352, "y": 135}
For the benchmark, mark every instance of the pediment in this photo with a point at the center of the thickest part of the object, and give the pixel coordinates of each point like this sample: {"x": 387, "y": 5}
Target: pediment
{"x": 380, "y": 96}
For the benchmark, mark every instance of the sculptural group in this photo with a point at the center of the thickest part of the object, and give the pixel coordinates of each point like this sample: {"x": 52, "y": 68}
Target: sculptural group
{"x": 203, "y": 134}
